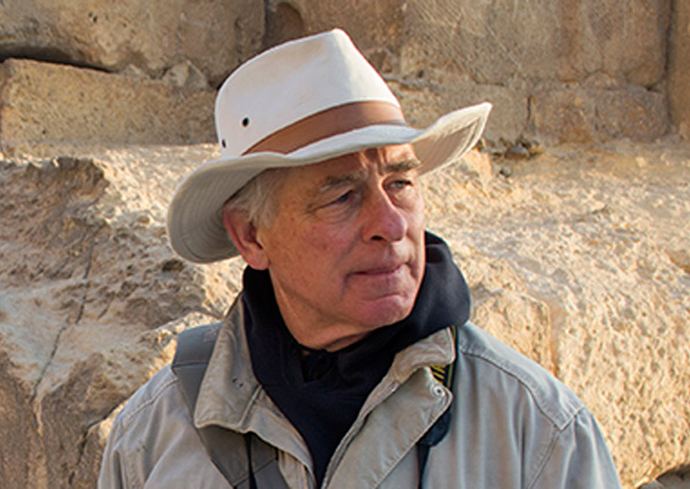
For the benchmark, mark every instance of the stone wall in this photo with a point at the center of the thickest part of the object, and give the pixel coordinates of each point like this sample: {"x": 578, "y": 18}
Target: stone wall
{"x": 147, "y": 36}
{"x": 54, "y": 102}
{"x": 140, "y": 72}
{"x": 91, "y": 300}
{"x": 556, "y": 71}
{"x": 679, "y": 68}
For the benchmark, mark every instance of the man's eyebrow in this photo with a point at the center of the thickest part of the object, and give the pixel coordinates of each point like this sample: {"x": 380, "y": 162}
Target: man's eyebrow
{"x": 339, "y": 181}
{"x": 333, "y": 182}
{"x": 403, "y": 166}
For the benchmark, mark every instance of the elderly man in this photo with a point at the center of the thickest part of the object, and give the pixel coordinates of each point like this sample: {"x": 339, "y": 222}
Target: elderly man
{"x": 348, "y": 360}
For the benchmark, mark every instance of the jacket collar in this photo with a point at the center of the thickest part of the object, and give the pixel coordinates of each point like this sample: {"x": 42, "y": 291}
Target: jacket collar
{"x": 230, "y": 395}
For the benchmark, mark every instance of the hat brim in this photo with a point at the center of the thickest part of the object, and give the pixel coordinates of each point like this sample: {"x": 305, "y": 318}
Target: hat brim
{"x": 195, "y": 224}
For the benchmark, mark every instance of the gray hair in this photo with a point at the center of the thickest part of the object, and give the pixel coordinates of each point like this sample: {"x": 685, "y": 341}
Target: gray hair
{"x": 257, "y": 199}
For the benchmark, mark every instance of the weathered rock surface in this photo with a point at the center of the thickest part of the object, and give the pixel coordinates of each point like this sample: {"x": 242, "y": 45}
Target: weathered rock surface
{"x": 559, "y": 71}
{"x": 577, "y": 257}
{"x": 153, "y": 36}
{"x": 91, "y": 299}
{"x": 42, "y": 102}
{"x": 452, "y": 53}
{"x": 679, "y": 68}
{"x": 592, "y": 114}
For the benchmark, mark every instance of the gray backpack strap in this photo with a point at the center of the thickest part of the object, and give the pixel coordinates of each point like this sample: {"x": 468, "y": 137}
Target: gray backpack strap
{"x": 194, "y": 349}
{"x": 232, "y": 453}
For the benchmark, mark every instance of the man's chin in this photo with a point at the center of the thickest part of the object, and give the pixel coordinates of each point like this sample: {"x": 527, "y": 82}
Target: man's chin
{"x": 386, "y": 311}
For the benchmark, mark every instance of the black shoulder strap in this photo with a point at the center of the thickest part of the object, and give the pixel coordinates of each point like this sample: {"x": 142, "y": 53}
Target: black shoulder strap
{"x": 446, "y": 376}
{"x": 232, "y": 453}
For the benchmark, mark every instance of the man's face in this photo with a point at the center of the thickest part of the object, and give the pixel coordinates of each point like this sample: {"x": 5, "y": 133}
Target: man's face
{"x": 346, "y": 249}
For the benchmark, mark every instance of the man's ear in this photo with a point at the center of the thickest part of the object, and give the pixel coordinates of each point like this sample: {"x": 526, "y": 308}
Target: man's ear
{"x": 244, "y": 234}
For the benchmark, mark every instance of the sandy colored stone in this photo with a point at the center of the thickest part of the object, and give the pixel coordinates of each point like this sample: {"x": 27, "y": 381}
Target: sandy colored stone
{"x": 91, "y": 302}
{"x": 563, "y": 40}
{"x": 494, "y": 41}
{"x": 214, "y": 36}
{"x": 424, "y": 102}
{"x": 42, "y": 102}
{"x": 679, "y": 68}
{"x": 443, "y": 54}
{"x": 591, "y": 115}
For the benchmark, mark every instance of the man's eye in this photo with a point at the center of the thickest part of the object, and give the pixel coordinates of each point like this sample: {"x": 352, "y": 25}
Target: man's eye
{"x": 400, "y": 184}
{"x": 343, "y": 198}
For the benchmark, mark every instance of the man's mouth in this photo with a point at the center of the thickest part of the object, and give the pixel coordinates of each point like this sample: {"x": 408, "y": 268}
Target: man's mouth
{"x": 382, "y": 270}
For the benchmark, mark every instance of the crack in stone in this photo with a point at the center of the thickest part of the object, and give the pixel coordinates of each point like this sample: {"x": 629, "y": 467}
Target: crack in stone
{"x": 80, "y": 313}
{"x": 45, "y": 54}
{"x": 81, "y": 448}
{"x": 34, "y": 391}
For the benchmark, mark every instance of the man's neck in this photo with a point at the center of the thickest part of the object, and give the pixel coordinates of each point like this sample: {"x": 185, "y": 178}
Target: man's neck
{"x": 307, "y": 332}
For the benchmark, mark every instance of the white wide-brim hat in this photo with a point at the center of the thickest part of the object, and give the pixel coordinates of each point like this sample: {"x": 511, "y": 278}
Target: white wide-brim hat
{"x": 302, "y": 102}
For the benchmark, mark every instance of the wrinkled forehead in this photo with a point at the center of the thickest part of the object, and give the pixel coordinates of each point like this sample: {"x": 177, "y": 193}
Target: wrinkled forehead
{"x": 380, "y": 160}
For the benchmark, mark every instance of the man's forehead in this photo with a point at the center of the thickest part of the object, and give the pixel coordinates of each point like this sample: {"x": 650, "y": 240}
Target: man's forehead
{"x": 391, "y": 155}
{"x": 384, "y": 159}
{"x": 356, "y": 166}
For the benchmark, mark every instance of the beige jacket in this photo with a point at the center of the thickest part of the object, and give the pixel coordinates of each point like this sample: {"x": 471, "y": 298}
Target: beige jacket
{"x": 514, "y": 425}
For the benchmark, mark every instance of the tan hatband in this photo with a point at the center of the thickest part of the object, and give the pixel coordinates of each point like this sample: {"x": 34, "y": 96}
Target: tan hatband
{"x": 328, "y": 123}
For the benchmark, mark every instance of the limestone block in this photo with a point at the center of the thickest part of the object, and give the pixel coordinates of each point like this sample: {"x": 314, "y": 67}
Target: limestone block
{"x": 48, "y": 102}
{"x": 214, "y": 36}
{"x": 91, "y": 302}
{"x": 564, "y": 40}
{"x": 423, "y": 103}
{"x": 376, "y": 27}
{"x": 492, "y": 41}
{"x": 679, "y": 68}
{"x": 446, "y": 52}
{"x": 587, "y": 115}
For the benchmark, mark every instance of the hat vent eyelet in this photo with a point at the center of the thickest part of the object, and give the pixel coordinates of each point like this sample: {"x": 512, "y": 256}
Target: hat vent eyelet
{"x": 245, "y": 122}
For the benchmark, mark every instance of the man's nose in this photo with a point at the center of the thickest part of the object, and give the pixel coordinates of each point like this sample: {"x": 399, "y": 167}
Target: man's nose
{"x": 383, "y": 221}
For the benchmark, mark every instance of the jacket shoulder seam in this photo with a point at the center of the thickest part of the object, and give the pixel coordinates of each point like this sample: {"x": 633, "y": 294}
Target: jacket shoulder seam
{"x": 566, "y": 415}
{"x": 549, "y": 450}
{"x": 148, "y": 401}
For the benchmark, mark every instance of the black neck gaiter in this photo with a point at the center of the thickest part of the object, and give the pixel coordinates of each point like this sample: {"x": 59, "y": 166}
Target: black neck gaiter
{"x": 322, "y": 392}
